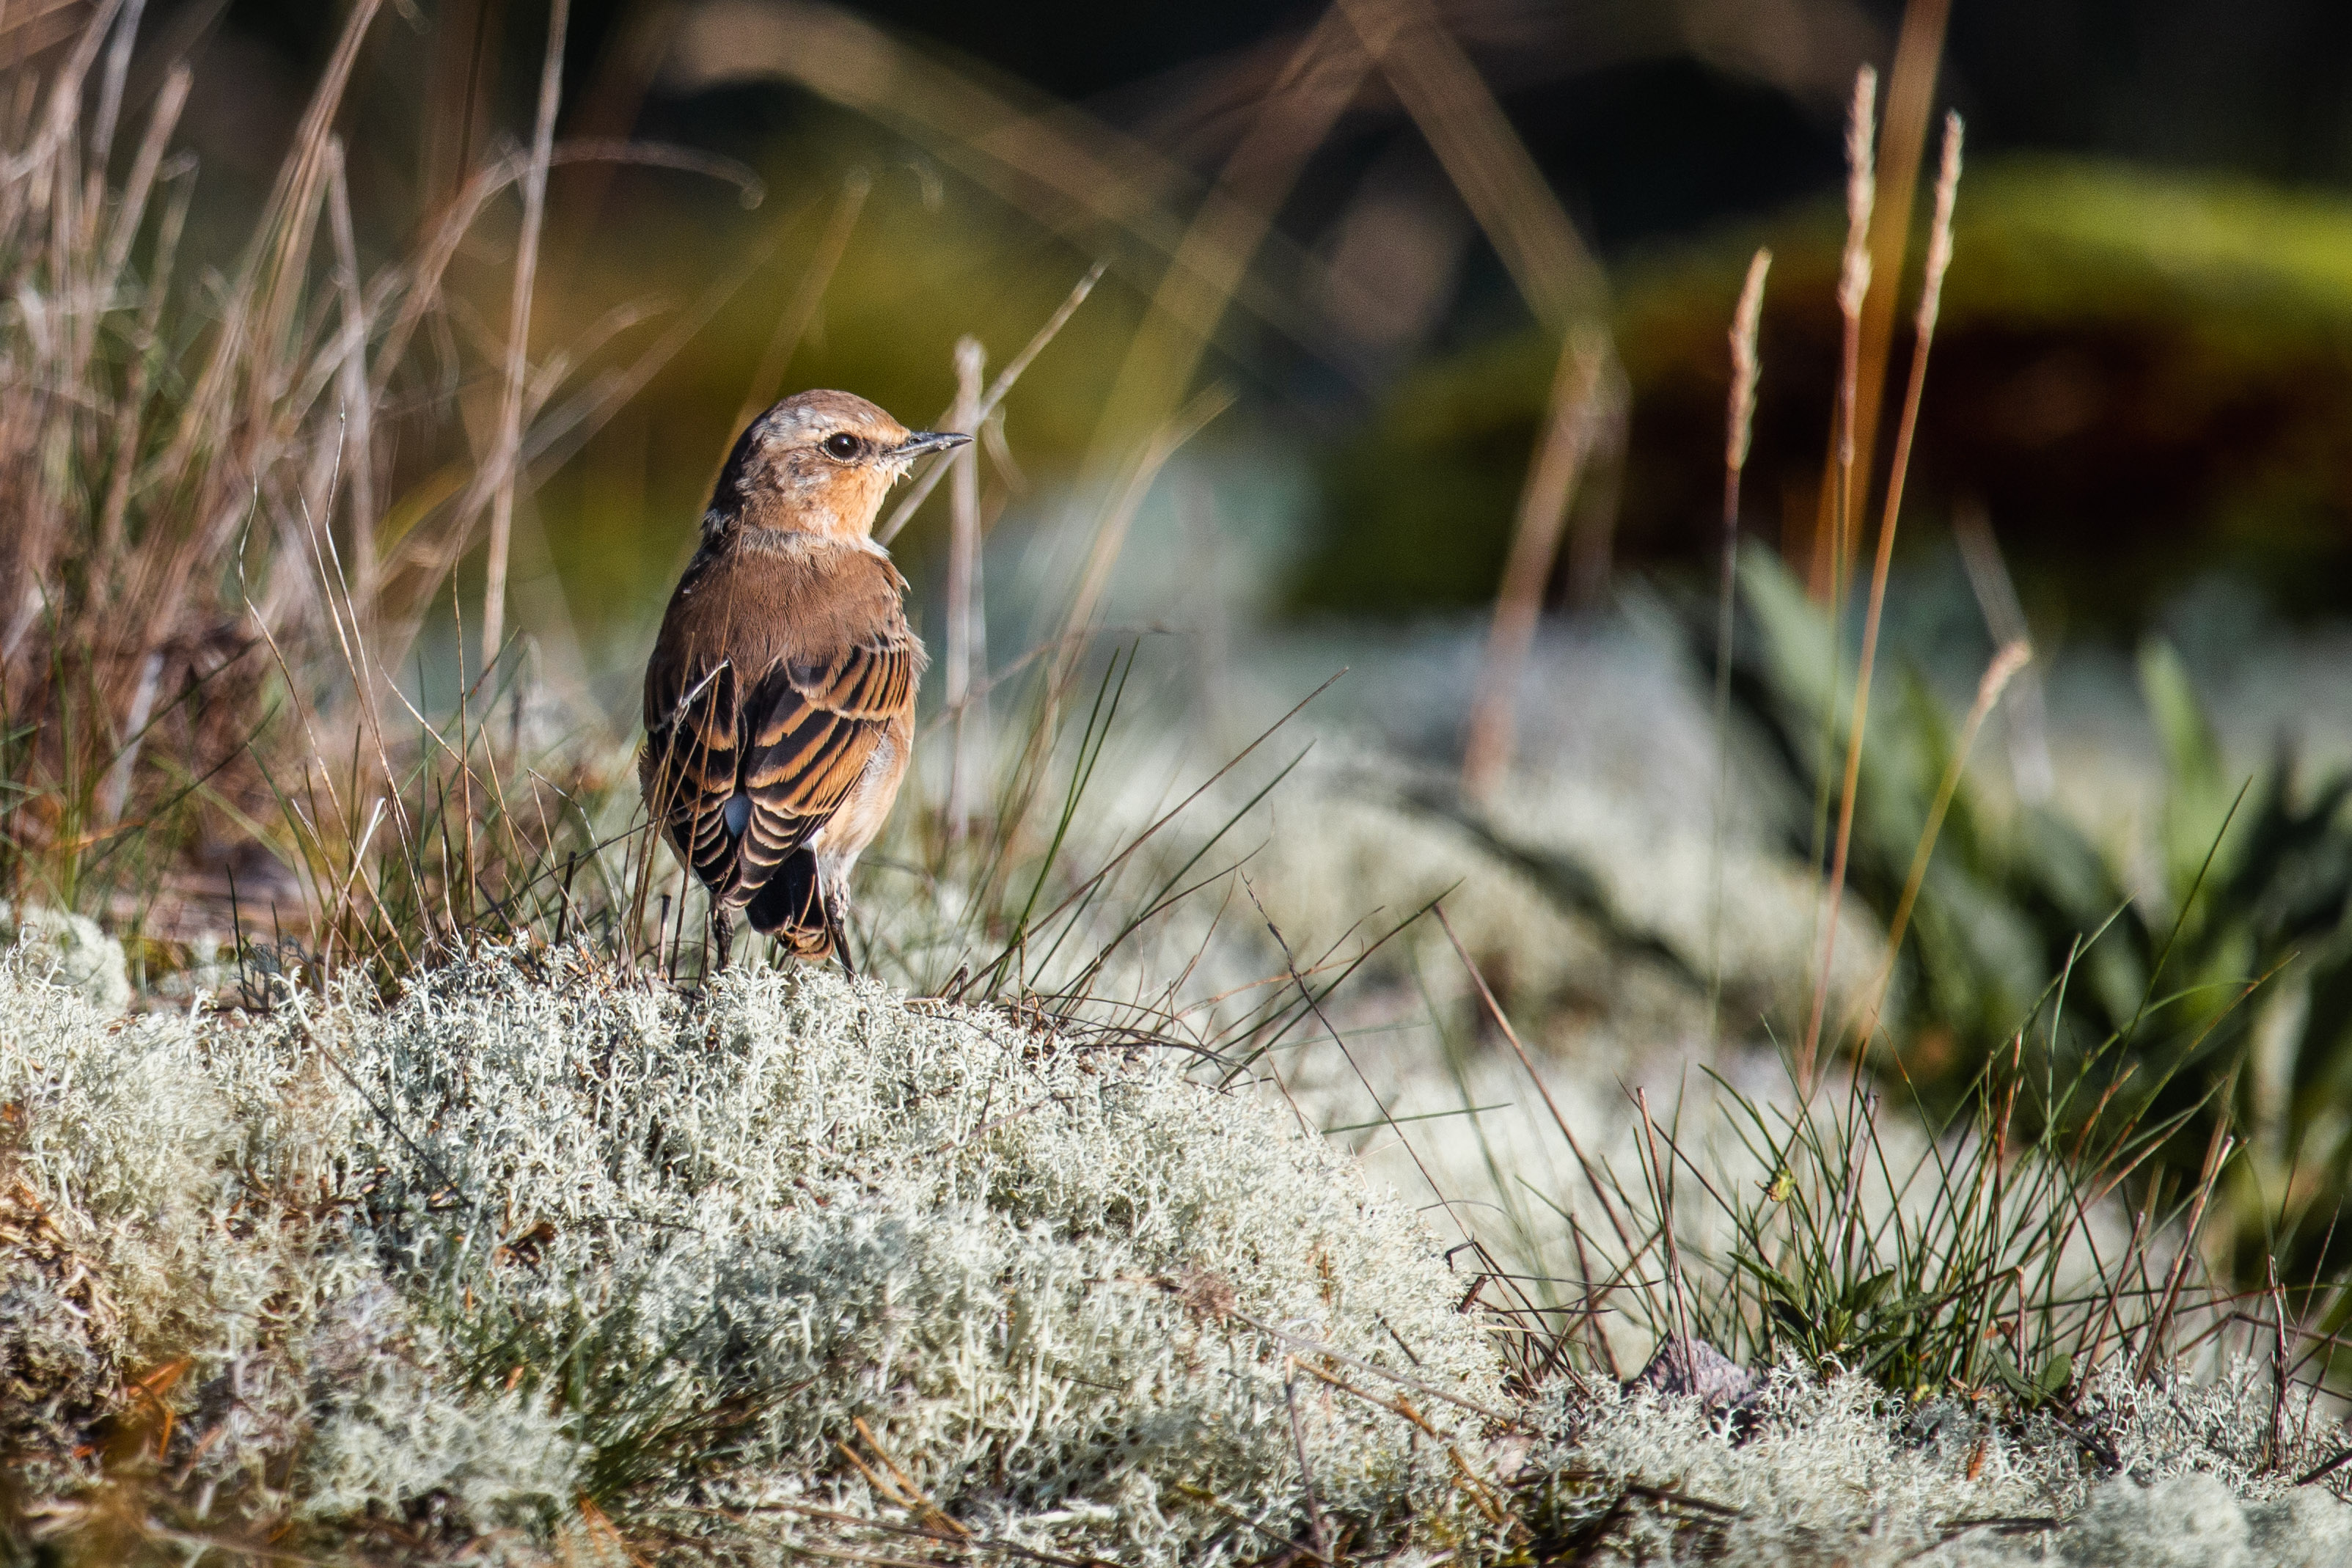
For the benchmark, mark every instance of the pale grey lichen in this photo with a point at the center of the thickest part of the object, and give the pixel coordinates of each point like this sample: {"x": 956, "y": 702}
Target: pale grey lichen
{"x": 71, "y": 949}
{"x": 172, "y": 1188}
{"x": 2194, "y": 1520}
{"x": 1837, "y": 1470}
{"x": 808, "y": 1203}
{"x": 532, "y": 1235}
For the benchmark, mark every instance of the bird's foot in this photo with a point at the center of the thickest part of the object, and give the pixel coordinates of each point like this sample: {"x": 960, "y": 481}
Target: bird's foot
{"x": 838, "y": 934}
{"x": 722, "y": 940}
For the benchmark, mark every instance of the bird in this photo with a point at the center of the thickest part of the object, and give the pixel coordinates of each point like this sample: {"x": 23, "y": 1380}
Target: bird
{"x": 780, "y": 696}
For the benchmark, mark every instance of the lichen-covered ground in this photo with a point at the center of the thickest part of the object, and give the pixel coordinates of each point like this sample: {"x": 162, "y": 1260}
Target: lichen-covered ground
{"x": 2173, "y": 1472}
{"x": 538, "y": 1265}
{"x": 535, "y": 1246}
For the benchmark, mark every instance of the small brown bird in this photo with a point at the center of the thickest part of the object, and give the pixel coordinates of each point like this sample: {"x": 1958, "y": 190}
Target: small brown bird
{"x": 779, "y": 699}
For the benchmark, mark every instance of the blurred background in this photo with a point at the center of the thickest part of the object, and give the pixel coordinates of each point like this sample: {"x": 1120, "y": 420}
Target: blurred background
{"x": 2142, "y": 374}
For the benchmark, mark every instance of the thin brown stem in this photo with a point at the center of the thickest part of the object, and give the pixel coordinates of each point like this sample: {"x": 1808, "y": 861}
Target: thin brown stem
{"x": 963, "y": 551}
{"x": 1005, "y": 382}
{"x": 2004, "y": 667}
{"x": 1739, "y": 418}
{"x": 1939, "y": 251}
{"x": 1535, "y": 546}
{"x": 505, "y": 455}
{"x": 1910, "y": 111}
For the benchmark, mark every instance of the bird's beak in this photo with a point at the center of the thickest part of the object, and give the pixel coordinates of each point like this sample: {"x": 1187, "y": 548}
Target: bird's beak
{"x": 922, "y": 441}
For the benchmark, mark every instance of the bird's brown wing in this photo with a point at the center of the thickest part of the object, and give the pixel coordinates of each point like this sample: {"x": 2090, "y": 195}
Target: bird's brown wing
{"x": 691, "y": 762}
{"x": 813, "y": 724}
{"x": 773, "y": 681}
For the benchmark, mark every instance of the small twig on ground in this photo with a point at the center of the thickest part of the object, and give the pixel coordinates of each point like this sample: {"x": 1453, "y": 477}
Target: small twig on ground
{"x": 922, "y": 1503}
{"x": 2325, "y": 1469}
{"x": 1208, "y": 1302}
{"x": 1315, "y": 1531}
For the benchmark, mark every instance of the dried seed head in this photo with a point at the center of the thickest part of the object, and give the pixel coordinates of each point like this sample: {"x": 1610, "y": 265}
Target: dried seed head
{"x": 1861, "y": 191}
{"x": 1939, "y": 234}
{"x": 1745, "y": 366}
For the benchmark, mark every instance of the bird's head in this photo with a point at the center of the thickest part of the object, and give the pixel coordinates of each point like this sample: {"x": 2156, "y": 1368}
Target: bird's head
{"x": 818, "y": 463}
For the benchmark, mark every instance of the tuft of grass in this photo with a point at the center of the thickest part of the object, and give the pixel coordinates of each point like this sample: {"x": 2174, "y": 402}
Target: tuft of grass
{"x": 2219, "y": 1003}
{"x": 223, "y": 544}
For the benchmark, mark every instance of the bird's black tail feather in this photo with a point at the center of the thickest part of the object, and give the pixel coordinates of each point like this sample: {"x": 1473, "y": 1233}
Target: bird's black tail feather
{"x": 791, "y": 907}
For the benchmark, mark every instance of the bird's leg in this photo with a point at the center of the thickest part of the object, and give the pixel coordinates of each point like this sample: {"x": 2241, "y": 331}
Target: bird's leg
{"x": 722, "y": 934}
{"x": 834, "y": 929}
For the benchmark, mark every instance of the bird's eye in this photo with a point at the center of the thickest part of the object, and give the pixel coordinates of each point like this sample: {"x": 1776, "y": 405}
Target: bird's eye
{"x": 844, "y": 446}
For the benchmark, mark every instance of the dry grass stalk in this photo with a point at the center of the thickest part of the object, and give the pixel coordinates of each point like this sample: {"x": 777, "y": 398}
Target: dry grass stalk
{"x": 2030, "y": 771}
{"x": 1110, "y": 531}
{"x": 229, "y": 483}
{"x": 1515, "y": 208}
{"x": 607, "y": 107}
{"x": 430, "y": 530}
{"x": 1493, "y": 1009}
{"x": 1662, "y": 1178}
{"x": 506, "y": 454}
{"x": 459, "y": 82}
{"x": 1060, "y": 657}
{"x": 2007, "y": 663}
{"x": 28, "y": 30}
{"x": 1747, "y": 370}
{"x": 963, "y": 552}
{"x": 1560, "y": 455}
{"x": 1322, "y": 77}
{"x": 1854, "y": 272}
{"x": 148, "y": 467}
{"x": 358, "y": 413}
{"x": 1829, "y": 548}
{"x": 2155, "y": 1352}
{"x": 1005, "y": 380}
{"x": 1739, "y": 419}
{"x": 1854, "y": 290}
{"x": 1111, "y": 193}
{"x": 1591, "y": 544}
{"x": 1910, "y": 109}
{"x": 1484, "y": 158}
{"x": 1939, "y": 256}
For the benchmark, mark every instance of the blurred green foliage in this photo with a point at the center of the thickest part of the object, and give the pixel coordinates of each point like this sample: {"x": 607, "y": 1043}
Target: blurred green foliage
{"x": 2137, "y": 373}
{"x": 2221, "y": 993}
